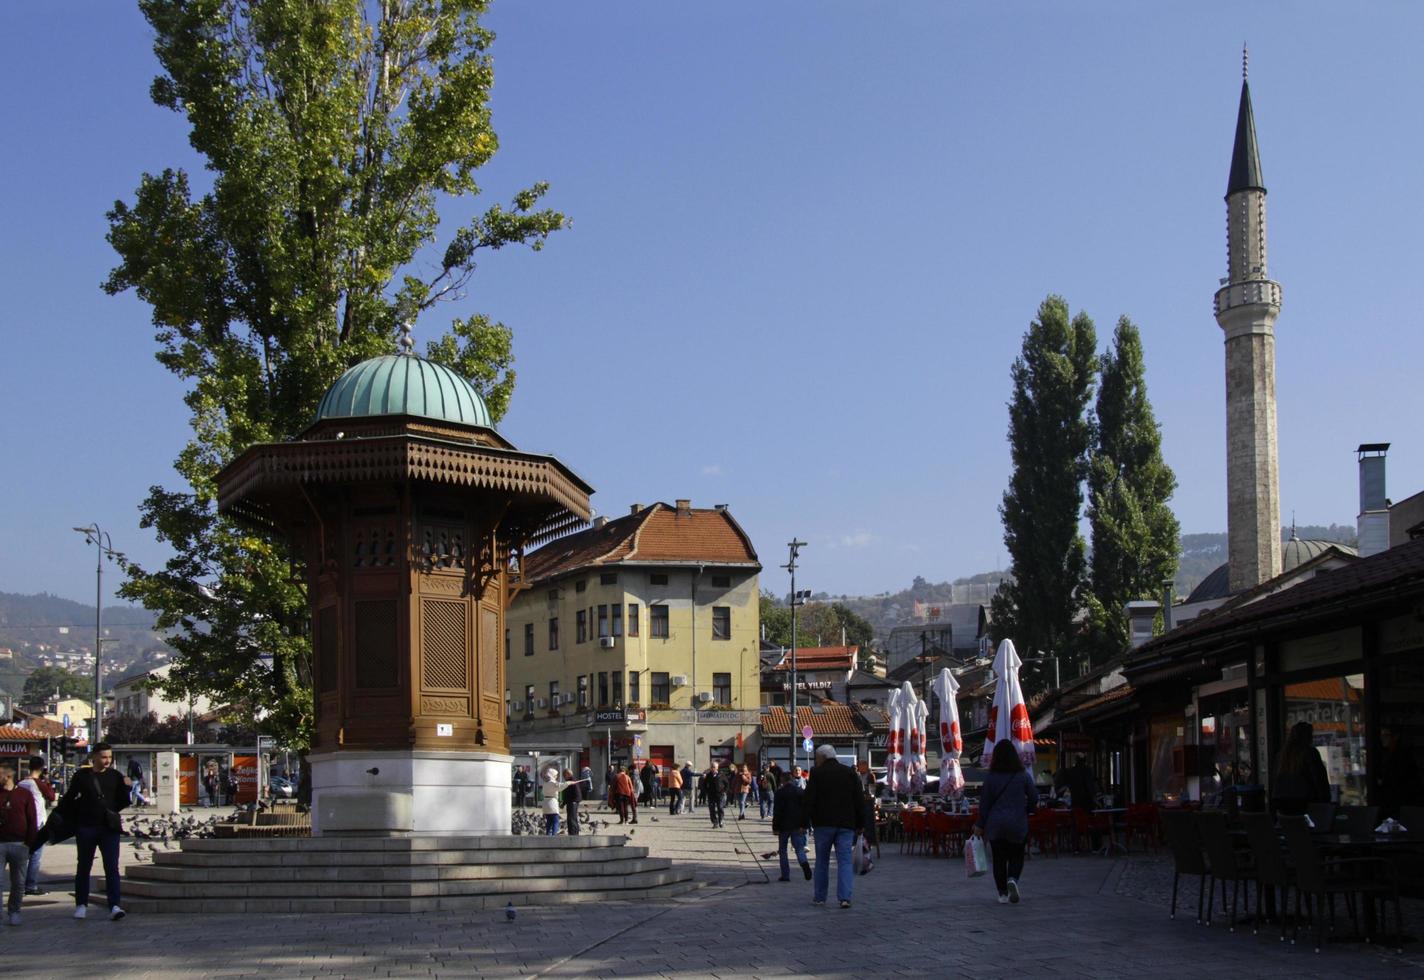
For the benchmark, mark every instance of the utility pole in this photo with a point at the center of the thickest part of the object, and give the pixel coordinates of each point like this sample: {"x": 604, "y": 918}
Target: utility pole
{"x": 795, "y": 546}
{"x": 104, "y": 546}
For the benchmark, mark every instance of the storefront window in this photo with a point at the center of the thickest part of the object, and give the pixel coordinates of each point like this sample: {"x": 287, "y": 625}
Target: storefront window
{"x": 1224, "y": 744}
{"x": 1335, "y": 707}
{"x": 1167, "y": 747}
{"x": 1401, "y": 705}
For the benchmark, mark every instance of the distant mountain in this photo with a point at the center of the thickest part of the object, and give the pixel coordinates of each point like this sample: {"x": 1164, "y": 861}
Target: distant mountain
{"x": 1200, "y": 554}
{"x": 35, "y": 629}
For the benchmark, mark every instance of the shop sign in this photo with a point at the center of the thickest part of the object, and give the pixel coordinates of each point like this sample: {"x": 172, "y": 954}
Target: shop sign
{"x": 1075, "y": 742}
{"x": 16, "y": 748}
{"x": 1400, "y": 634}
{"x": 1321, "y": 649}
{"x": 619, "y": 716}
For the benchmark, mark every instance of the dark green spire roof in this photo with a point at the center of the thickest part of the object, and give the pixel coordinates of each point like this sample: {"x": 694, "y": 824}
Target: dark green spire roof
{"x": 1245, "y": 158}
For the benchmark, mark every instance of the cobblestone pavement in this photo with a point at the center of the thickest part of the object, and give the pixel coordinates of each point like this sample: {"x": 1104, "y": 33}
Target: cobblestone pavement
{"x": 912, "y": 916}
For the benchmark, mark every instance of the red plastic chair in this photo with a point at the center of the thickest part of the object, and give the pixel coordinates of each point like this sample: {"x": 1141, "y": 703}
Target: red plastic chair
{"x": 1144, "y": 822}
{"x": 1043, "y": 831}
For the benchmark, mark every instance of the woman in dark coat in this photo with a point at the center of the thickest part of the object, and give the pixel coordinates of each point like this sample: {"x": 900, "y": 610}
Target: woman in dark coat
{"x": 1300, "y": 774}
{"x": 1007, "y": 796}
{"x": 573, "y": 796}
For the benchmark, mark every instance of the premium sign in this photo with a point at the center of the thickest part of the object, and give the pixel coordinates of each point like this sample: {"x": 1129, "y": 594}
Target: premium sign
{"x": 16, "y": 748}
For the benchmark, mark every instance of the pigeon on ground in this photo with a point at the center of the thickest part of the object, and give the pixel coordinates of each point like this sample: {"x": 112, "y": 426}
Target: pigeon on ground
{"x": 509, "y": 912}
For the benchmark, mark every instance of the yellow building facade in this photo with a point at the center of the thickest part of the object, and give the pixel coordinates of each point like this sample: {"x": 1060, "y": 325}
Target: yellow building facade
{"x": 636, "y": 641}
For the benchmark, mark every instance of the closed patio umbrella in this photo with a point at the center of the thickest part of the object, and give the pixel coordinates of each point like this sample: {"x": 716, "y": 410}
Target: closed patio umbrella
{"x": 1008, "y": 715}
{"x": 896, "y": 777}
{"x": 951, "y": 744}
{"x": 916, "y": 716}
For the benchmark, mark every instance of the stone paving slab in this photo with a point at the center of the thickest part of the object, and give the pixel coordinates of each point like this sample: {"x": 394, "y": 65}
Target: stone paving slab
{"x": 912, "y": 916}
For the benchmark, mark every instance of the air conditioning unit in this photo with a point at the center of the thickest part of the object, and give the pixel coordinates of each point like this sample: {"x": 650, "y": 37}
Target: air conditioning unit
{"x": 542, "y": 703}
{"x": 704, "y": 696}
{"x": 606, "y": 642}
{"x": 518, "y": 705}
{"x": 679, "y": 680}
{"x": 568, "y": 699}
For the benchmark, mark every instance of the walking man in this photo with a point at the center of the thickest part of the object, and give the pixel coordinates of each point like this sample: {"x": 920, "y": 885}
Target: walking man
{"x": 832, "y": 806}
{"x": 17, "y": 834}
{"x": 712, "y": 789}
{"x": 43, "y": 793}
{"x": 689, "y": 786}
{"x": 95, "y": 796}
{"x": 674, "y": 793}
{"x": 788, "y": 823}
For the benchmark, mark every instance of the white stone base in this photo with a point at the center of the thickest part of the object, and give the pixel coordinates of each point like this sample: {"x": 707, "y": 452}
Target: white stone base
{"x": 412, "y": 792}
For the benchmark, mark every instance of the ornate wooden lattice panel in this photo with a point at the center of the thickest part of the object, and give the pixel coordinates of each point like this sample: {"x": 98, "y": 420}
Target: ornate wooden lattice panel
{"x": 491, "y": 662}
{"x": 326, "y": 649}
{"x": 444, "y": 662}
{"x": 377, "y": 645}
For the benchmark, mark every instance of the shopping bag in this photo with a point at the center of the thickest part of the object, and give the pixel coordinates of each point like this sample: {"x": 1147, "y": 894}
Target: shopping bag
{"x": 976, "y": 858}
{"x": 860, "y": 856}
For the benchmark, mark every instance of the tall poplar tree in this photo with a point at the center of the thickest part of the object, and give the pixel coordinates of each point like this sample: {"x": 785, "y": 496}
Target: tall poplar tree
{"x": 330, "y": 130}
{"x": 1049, "y": 438}
{"x": 1134, "y": 532}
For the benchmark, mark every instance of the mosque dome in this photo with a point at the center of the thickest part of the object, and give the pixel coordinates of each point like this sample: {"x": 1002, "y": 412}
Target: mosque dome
{"x": 1294, "y": 553}
{"x": 403, "y": 384}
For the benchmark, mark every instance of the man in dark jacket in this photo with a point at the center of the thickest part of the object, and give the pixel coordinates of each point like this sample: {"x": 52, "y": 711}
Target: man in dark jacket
{"x": 713, "y": 786}
{"x": 789, "y": 825}
{"x": 96, "y": 795}
{"x": 832, "y": 806}
{"x": 690, "y": 790}
{"x": 18, "y": 828}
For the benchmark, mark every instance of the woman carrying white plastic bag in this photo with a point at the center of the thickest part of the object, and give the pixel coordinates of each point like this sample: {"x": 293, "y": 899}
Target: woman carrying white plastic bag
{"x": 1007, "y": 796}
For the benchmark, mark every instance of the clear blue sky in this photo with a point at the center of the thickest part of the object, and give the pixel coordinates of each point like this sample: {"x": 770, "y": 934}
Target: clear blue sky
{"x": 807, "y": 240}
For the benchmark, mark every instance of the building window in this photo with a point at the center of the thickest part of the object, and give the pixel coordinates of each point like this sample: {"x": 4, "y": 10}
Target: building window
{"x": 553, "y": 632}
{"x": 602, "y": 689}
{"x": 583, "y": 691}
{"x": 506, "y": 643}
{"x": 634, "y": 687}
{"x": 721, "y": 581}
{"x": 658, "y": 579}
{"x": 721, "y": 622}
{"x": 582, "y": 626}
{"x": 632, "y": 619}
{"x": 617, "y": 687}
{"x": 529, "y": 701}
{"x": 580, "y": 585}
{"x": 553, "y": 694}
{"x": 529, "y": 639}
{"x": 608, "y": 578}
{"x": 658, "y": 617}
{"x": 602, "y": 621}
{"x": 618, "y": 619}
{"x": 662, "y": 689}
{"x": 553, "y": 595}
{"x": 507, "y": 701}
{"x": 722, "y": 688}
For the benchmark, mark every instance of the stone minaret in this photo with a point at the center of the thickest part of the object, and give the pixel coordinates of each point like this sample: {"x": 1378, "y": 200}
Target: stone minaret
{"x": 1247, "y": 305}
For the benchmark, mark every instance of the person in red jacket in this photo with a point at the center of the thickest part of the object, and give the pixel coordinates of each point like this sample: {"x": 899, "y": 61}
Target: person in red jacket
{"x": 17, "y": 834}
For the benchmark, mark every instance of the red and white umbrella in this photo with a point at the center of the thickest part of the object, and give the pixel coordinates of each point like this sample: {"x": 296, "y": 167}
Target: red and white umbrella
{"x": 896, "y": 777}
{"x": 916, "y": 716}
{"x": 951, "y": 744}
{"x": 1008, "y": 716}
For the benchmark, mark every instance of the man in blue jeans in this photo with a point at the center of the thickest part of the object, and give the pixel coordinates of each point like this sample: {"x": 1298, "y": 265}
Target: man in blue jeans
{"x": 96, "y": 795}
{"x": 832, "y": 805}
{"x": 787, "y": 822}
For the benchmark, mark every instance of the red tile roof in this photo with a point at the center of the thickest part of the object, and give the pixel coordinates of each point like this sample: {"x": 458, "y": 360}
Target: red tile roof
{"x": 9, "y": 733}
{"x": 835, "y": 720}
{"x": 821, "y": 658}
{"x": 658, "y": 534}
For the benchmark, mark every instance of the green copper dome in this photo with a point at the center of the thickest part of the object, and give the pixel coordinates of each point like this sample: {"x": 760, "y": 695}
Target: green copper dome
{"x": 402, "y": 384}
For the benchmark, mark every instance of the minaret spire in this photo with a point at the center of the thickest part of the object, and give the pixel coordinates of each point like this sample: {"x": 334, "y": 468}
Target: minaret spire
{"x": 1247, "y": 305}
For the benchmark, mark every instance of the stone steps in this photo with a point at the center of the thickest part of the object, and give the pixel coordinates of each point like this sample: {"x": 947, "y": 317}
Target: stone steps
{"x": 372, "y": 875}
{"x": 249, "y": 856}
{"x": 409, "y": 874}
{"x": 400, "y": 906}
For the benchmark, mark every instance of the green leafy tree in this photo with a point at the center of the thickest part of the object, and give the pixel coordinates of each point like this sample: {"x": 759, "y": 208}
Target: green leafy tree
{"x": 817, "y": 624}
{"x": 331, "y": 130}
{"x": 1049, "y": 437}
{"x": 43, "y": 682}
{"x": 1135, "y": 533}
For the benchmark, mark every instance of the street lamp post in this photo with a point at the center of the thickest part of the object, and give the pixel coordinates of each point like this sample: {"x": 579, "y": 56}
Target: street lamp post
{"x": 790, "y": 566}
{"x": 104, "y": 548}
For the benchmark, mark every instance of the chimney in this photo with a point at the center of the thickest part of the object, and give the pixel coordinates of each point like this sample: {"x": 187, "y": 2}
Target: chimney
{"x": 1168, "y": 620}
{"x": 635, "y": 509}
{"x": 1140, "y": 616}
{"x": 1372, "y": 525}
{"x": 720, "y": 508}
{"x": 599, "y": 521}
{"x": 684, "y": 507}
